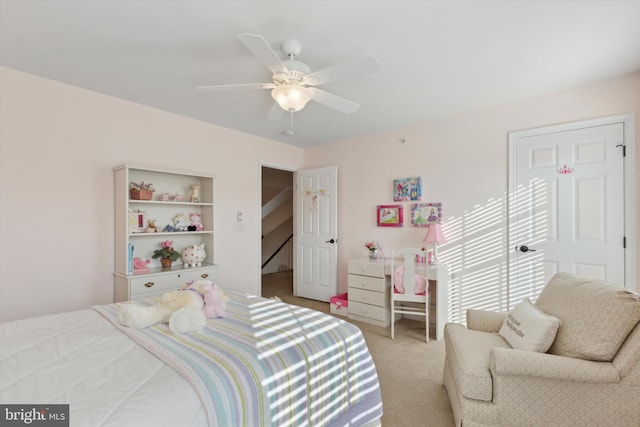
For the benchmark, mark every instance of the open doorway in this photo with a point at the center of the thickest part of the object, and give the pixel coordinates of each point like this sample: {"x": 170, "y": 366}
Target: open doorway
{"x": 277, "y": 233}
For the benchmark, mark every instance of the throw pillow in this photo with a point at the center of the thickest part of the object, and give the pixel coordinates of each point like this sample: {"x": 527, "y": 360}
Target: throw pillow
{"x": 596, "y": 316}
{"x": 529, "y": 328}
{"x": 398, "y": 286}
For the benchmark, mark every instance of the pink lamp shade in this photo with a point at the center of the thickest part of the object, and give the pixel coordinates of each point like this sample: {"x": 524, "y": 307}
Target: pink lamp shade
{"x": 435, "y": 236}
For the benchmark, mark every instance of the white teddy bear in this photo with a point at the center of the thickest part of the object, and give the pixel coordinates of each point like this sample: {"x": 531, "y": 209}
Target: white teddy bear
{"x": 185, "y": 310}
{"x": 181, "y": 222}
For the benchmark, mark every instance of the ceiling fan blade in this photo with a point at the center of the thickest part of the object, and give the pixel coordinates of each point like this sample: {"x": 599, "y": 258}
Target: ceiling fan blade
{"x": 334, "y": 101}
{"x": 224, "y": 88}
{"x": 261, "y": 48}
{"x": 349, "y": 69}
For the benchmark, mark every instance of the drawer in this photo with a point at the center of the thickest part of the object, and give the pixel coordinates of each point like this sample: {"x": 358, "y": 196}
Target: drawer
{"x": 209, "y": 273}
{"x": 142, "y": 287}
{"x": 377, "y": 284}
{"x": 365, "y": 310}
{"x": 366, "y": 268}
{"x": 145, "y": 285}
{"x": 368, "y": 297}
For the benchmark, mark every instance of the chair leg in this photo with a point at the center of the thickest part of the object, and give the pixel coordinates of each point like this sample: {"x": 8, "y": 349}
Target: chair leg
{"x": 426, "y": 315}
{"x": 393, "y": 319}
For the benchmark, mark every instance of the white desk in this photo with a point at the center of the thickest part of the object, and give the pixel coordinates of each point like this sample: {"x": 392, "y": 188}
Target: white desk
{"x": 369, "y": 284}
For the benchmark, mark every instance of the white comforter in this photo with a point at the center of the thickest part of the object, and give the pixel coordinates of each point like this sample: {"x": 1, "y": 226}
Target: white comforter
{"x": 266, "y": 363}
{"x": 112, "y": 381}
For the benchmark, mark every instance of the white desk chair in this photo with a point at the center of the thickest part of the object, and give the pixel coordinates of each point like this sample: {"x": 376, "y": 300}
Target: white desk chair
{"x": 407, "y": 258}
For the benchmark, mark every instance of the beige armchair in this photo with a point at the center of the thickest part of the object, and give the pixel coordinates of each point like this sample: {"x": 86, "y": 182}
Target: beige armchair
{"x": 590, "y": 376}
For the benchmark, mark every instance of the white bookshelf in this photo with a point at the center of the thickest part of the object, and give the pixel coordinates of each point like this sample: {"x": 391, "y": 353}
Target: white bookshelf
{"x": 131, "y": 284}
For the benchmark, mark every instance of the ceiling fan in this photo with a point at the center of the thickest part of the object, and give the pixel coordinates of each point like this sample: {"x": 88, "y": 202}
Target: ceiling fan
{"x": 294, "y": 85}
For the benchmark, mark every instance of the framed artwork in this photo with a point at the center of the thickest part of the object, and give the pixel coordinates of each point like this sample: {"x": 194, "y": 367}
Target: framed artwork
{"x": 406, "y": 189}
{"x": 389, "y": 215}
{"x": 423, "y": 214}
{"x": 137, "y": 221}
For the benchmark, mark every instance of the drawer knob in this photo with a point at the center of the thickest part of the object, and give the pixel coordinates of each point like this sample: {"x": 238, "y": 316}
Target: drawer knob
{"x": 149, "y": 284}
{"x": 364, "y": 268}
{"x": 204, "y": 275}
{"x": 364, "y": 297}
{"x": 364, "y": 283}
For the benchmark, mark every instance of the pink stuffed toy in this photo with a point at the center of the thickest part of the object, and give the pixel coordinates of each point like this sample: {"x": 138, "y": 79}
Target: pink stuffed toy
{"x": 195, "y": 221}
{"x": 214, "y": 302}
{"x": 212, "y": 295}
{"x": 141, "y": 266}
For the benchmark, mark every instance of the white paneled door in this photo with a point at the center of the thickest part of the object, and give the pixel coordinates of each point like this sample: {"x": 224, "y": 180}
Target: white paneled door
{"x": 316, "y": 233}
{"x": 566, "y": 206}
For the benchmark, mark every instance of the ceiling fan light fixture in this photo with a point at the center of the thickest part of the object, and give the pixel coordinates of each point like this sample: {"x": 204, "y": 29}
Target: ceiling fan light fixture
{"x": 292, "y": 97}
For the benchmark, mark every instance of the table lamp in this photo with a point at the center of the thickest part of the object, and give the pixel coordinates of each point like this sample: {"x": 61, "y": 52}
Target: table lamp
{"x": 435, "y": 236}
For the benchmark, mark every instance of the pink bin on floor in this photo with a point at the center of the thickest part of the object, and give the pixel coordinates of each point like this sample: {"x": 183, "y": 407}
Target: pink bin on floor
{"x": 340, "y": 305}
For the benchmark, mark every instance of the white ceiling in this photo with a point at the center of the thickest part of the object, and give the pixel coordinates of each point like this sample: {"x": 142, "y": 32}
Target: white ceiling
{"x": 437, "y": 58}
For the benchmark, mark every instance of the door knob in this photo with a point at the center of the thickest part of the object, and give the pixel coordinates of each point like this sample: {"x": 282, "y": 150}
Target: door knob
{"x": 331, "y": 241}
{"x": 525, "y": 248}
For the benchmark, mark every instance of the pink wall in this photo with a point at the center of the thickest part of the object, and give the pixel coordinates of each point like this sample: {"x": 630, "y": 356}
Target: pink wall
{"x": 58, "y": 147}
{"x": 463, "y": 161}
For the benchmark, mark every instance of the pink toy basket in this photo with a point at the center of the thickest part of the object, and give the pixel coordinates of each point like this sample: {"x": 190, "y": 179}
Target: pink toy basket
{"x": 340, "y": 305}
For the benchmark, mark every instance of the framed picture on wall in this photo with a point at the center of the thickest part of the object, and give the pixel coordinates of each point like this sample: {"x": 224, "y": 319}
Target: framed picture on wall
{"x": 406, "y": 189}
{"x": 423, "y": 214}
{"x": 389, "y": 215}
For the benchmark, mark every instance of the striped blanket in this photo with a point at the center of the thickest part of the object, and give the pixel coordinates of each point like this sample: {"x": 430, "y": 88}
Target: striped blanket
{"x": 270, "y": 364}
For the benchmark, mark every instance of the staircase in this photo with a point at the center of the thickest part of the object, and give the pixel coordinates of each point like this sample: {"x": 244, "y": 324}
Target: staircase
{"x": 281, "y": 260}
{"x": 277, "y": 226}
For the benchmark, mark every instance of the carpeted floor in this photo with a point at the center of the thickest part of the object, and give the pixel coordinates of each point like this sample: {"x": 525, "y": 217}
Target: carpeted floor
{"x": 410, "y": 370}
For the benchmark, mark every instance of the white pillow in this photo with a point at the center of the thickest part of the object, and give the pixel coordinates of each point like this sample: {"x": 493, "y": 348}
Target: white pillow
{"x": 526, "y": 327}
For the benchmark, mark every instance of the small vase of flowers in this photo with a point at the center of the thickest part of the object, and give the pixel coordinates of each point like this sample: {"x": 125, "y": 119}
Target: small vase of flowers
{"x": 166, "y": 253}
{"x": 141, "y": 191}
{"x": 373, "y": 249}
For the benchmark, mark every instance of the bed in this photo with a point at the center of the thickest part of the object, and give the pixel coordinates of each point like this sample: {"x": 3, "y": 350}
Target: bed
{"x": 267, "y": 363}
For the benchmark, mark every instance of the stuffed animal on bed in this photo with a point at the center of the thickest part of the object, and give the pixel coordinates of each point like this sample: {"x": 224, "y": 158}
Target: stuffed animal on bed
{"x": 185, "y": 310}
{"x": 215, "y": 302}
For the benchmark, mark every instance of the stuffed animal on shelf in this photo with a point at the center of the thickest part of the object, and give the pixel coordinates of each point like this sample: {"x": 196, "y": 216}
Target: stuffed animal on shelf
{"x": 195, "y": 221}
{"x": 141, "y": 266}
{"x": 151, "y": 226}
{"x": 185, "y": 310}
{"x": 181, "y": 222}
